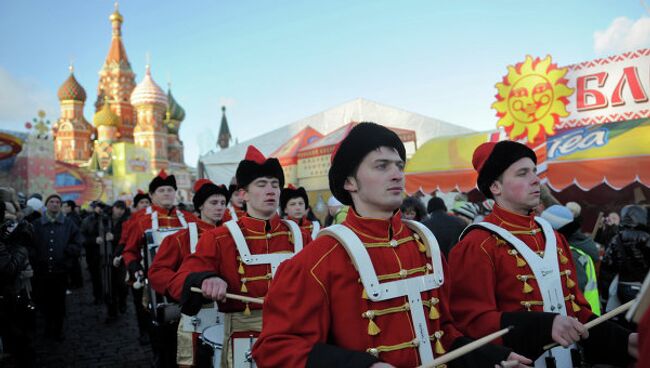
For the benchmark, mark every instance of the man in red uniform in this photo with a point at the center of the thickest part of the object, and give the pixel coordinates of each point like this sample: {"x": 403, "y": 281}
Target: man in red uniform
{"x": 211, "y": 201}
{"x": 294, "y": 204}
{"x": 235, "y": 207}
{"x": 517, "y": 271}
{"x": 221, "y": 263}
{"x": 162, "y": 214}
{"x": 319, "y": 311}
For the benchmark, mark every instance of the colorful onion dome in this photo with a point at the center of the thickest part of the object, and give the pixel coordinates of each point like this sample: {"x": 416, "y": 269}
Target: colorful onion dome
{"x": 106, "y": 117}
{"x": 174, "y": 110}
{"x": 71, "y": 89}
{"x": 148, "y": 92}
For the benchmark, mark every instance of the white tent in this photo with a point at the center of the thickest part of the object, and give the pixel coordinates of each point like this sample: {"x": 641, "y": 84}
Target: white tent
{"x": 220, "y": 166}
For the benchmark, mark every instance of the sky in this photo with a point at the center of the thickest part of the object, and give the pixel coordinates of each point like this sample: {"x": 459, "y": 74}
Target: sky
{"x": 274, "y": 62}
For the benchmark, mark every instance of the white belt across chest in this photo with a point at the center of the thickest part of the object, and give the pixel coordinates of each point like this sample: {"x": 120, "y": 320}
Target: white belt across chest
{"x": 233, "y": 213}
{"x": 315, "y": 229}
{"x": 547, "y": 274}
{"x": 410, "y": 287}
{"x": 273, "y": 259}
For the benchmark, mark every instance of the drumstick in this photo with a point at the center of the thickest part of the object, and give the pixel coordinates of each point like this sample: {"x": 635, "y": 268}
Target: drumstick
{"x": 466, "y": 348}
{"x": 241, "y": 298}
{"x": 595, "y": 322}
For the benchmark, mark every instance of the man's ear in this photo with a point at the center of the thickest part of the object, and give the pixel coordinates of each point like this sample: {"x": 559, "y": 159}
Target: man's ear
{"x": 351, "y": 184}
{"x": 496, "y": 188}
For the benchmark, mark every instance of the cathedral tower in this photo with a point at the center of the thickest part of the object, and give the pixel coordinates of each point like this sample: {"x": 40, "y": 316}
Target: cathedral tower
{"x": 150, "y": 103}
{"x": 72, "y": 133}
{"x": 173, "y": 119}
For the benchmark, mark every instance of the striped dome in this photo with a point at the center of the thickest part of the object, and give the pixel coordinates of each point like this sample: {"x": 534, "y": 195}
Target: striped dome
{"x": 174, "y": 110}
{"x": 148, "y": 92}
{"x": 71, "y": 90}
{"x": 106, "y": 117}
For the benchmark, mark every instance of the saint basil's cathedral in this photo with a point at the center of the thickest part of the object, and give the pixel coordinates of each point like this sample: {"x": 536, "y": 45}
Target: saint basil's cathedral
{"x": 133, "y": 135}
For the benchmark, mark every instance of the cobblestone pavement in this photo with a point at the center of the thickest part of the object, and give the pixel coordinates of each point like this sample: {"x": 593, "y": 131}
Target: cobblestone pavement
{"x": 89, "y": 341}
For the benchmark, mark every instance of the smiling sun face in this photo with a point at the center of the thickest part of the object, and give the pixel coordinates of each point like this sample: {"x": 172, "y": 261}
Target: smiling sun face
{"x": 532, "y": 95}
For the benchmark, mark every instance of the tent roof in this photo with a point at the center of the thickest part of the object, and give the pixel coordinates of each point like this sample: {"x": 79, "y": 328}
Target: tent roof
{"x": 288, "y": 152}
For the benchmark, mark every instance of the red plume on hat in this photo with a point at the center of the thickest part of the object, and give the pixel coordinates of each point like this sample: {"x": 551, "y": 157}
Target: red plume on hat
{"x": 163, "y": 179}
{"x": 253, "y": 154}
{"x": 255, "y": 165}
{"x": 199, "y": 183}
{"x": 481, "y": 154}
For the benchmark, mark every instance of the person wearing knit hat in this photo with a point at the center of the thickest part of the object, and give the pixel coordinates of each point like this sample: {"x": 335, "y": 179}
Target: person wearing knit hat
{"x": 210, "y": 201}
{"x": 466, "y": 211}
{"x": 557, "y": 216}
{"x": 294, "y": 204}
{"x": 240, "y": 256}
{"x": 510, "y": 284}
{"x": 320, "y": 312}
{"x": 162, "y": 214}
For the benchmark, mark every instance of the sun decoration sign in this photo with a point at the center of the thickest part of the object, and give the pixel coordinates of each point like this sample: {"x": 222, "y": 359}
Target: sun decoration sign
{"x": 533, "y": 96}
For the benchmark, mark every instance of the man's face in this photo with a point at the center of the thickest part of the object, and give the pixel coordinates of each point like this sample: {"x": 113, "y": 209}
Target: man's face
{"x": 118, "y": 212}
{"x": 66, "y": 209}
{"x": 262, "y": 197}
{"x": 97, "y": 209}
{"x": 53, "y": 206}
{"x": 613, "y": 219}
{"x": 377, "y": 187}
{"x": 409, "y": 213}
{"x": 518, "y": 190}
{"x": 295, "y": 208}
{"x": 237, "y": 198}
{"x": 164, "y": 196}
{"x": 143, "y": 203}
{"x": 213, "y": 208}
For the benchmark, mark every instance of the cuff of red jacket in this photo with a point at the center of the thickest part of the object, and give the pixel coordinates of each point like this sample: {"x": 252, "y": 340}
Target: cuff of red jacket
{"x": 326, "y": 356}
{"x": 485, "y": 356}
{"x": 531, "y": 332}
{"x": 607, "y": 344}
{"x": 191, "y": 302}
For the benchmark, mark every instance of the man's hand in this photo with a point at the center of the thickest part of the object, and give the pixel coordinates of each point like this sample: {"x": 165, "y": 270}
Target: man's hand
{"x": 633, "y": 345}
{"x": 568, "y": 330}
{"x": 109, "y": 236}
{"x": 214, "y": 288}
{"x": 117, "y": 261}
{"x": 99, "y": 240}
{"x": 515, "y": 360}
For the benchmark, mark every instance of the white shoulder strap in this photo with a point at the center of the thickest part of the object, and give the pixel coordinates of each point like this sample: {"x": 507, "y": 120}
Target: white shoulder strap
{"x": 433, "y": 249}
{"x": 273, "y": 259}
{"x": 411, "y": 287}
{"x": 233, "y": 213}
{"x": 315, "y": 229}
{"x": 194, "y": 236}
{"x": 296, "y": 234}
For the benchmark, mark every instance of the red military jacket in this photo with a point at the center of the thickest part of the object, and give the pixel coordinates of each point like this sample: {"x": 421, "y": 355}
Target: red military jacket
{"x": 489, "y": 277}
{"x": 304, "y": 223}
{"x": 227, "y": 215}
{"x": 135, "y": 241}
{"x": 644, "y": 340}
{"x": 317, "y": 297}
{"x": 128, "y": 224}
{"x": 170, "y": 255}
{"x": 216, "y": 255}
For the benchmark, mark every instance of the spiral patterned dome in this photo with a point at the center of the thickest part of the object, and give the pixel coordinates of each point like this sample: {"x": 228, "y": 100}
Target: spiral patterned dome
{"x": 71, "y": 90}
{"x": 148, "y": 92}
{"x": 174, "y": 110}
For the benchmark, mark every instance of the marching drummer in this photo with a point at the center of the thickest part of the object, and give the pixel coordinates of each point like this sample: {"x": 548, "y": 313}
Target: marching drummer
{"x": 210, "y": 201}
{"x": 513, "y": 269}
{"x": 369, "y": 292}
{"x": 162, "y": 214}
{"x": 294, "y": 204}
{"x": 241, "y": 257}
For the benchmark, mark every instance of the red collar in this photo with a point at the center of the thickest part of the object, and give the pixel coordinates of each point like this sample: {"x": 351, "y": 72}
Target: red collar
{"x": 164, "y": 211}
{"x": 510, "y": 220}
{"x": 261, "y": 226}
{"x": 383, "y": 229}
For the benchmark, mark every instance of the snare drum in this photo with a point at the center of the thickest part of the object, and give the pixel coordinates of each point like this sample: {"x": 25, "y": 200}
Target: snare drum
{"x": 213, "y": 337}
